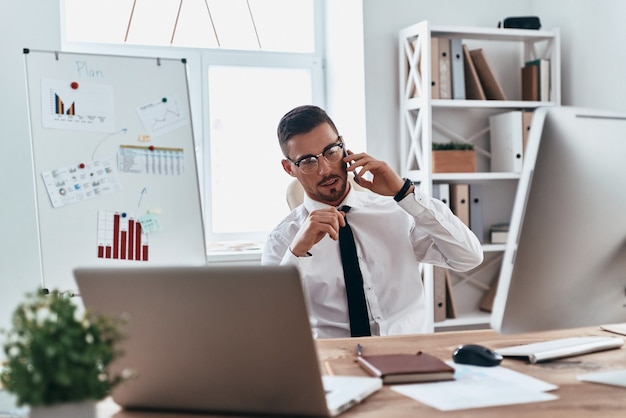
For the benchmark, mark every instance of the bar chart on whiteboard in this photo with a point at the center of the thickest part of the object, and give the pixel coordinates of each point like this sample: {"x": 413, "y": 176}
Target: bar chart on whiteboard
{"x": 121, "y": 237}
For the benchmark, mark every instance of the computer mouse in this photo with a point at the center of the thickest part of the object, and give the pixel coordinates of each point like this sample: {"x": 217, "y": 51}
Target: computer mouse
{"x": 476, "y": 355}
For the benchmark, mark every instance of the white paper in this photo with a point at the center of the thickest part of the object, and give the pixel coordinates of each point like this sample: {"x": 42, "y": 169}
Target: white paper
{"x": 612, "y": 377}
{"x": 615, "y": 328}
{"x": 162, "y": 116}
{"x": 477, "y": 387}
{"x": 151, "y": 160}
{"x": 85, "y": 107}
{"x": 81, "y": 181}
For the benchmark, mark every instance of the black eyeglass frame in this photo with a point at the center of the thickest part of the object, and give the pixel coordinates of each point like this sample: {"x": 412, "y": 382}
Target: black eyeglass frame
{"x": 339, "y": 144}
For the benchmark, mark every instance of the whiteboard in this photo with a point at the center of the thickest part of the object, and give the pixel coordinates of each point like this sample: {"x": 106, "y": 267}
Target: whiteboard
{"x": 114, "y": 163}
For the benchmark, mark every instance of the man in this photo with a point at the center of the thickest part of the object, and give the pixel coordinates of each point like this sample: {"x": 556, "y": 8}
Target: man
{"x": 396, "y": 227}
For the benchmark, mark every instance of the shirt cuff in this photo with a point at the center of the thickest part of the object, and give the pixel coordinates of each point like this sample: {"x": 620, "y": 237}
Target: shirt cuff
{"x": 415, "y": 203}
{"x": 291, "y": 259}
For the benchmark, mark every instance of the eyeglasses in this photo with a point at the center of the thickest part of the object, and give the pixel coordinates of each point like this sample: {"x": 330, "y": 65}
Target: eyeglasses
{"x": 309, "y": 163}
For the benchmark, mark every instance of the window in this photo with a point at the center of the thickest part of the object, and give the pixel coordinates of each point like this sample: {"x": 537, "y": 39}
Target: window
{"x": 248, "y": 183}
{"x": 267, "y": 25}
{"x": 257, "y": 60}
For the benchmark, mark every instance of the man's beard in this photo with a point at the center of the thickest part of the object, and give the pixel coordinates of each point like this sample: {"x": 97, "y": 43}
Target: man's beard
{"x": 336, "y": 192}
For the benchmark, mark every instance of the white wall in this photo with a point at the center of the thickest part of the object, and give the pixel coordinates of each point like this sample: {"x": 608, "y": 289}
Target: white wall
{"x": 593, "y": 55}
{"x": 30, "y": 24}
{"x": 593, "y": 66}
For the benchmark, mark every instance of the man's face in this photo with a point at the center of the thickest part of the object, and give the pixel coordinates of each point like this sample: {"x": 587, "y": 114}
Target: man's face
{"x": 328, "y": 182}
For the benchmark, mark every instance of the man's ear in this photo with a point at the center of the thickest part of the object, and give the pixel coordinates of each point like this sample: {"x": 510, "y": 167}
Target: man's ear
{"x": 288, "y": 167}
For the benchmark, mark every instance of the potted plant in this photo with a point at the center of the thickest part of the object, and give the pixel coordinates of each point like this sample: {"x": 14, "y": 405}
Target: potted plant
{"x": 453, "y": 157}
{"x": 56, "y": 358}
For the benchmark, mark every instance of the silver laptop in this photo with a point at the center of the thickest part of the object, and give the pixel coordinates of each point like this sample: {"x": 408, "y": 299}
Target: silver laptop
{"x": 229, "y": 339}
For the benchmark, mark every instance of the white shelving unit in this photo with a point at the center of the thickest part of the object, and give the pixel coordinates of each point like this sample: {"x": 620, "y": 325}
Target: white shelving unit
{"x": 424, "y": 120}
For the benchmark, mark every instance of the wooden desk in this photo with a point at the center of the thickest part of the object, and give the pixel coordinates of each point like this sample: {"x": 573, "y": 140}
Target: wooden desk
{"x": 576, "y": 399}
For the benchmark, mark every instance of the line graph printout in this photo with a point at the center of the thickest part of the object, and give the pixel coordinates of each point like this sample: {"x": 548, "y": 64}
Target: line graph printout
{"x": 70, "y": 105}
{"x": 162, "y": 116}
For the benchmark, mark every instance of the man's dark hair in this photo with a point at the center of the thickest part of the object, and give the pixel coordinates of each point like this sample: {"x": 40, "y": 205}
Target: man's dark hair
{"x": 301, "y": 120}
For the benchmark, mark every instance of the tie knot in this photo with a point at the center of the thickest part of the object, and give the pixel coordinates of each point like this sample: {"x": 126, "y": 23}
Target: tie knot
{"x": 345, "y": 208}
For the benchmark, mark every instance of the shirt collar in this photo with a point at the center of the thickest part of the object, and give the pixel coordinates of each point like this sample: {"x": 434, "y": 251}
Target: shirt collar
{"x": 352, "y": 199}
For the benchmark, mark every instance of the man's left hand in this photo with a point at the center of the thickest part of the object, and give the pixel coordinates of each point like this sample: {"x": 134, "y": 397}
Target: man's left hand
{"x": 384, "y": 181}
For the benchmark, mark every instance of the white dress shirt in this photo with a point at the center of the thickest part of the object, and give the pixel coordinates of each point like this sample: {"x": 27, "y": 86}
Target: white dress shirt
{"x": 392, "y": 238}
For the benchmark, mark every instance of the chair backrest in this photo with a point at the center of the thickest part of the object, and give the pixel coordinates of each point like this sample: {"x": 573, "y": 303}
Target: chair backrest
{"x": 295, "y": 192}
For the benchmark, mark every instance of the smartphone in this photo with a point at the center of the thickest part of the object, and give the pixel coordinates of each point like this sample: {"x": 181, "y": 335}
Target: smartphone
{"x": 357, "y": 179}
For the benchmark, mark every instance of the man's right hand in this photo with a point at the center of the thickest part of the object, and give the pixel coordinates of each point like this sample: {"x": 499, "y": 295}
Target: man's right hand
{"x": 318, "y": 224}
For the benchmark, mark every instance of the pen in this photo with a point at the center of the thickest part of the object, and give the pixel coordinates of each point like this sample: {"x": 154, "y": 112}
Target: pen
{"x": 359, "y": 350}
{"x": 329, "y": 370}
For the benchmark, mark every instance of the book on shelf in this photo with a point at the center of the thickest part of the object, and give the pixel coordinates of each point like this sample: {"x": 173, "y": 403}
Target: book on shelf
{"x": 499, "y": 233}
{"x": 530, "y": 83}
{"x": 406, "y": 368}
{"x": 540, "y": 81}
{"x": 445, "y": 74}
{"x": 491, "y": 86}
{"x": 473, "y": 87}
{"x": 457, "y": 68}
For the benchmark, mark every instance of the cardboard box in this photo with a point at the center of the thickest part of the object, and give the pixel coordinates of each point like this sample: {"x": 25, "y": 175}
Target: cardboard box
{"x": 454, "y": 161}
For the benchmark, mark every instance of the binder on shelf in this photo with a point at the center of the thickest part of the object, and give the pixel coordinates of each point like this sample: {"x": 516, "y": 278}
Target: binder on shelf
{"x": 507, "y": 136}
{"x": 457, "y": 70}
{"x": 445, "y": 74}
{"x": 473, "y": 88}
{"x": 439, "y": 296}
{"x": 441, "y": 191}
{"x": 543, "y": 74}
{"x": 459, "y": 202}
{"x": 476, "y": 211}
{"x": 492, "y": 88}
{"x": 451, "y": 311}
{"x": 527, "y": 120}
{"x": 434, "y": 68}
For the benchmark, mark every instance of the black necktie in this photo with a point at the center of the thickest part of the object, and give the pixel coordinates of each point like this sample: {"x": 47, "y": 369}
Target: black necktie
{"x": 357, "y": 308}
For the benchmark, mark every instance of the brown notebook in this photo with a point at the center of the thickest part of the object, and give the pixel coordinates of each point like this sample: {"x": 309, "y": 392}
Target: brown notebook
{"x": 492, "y": 88}
{"x": 473, "y": 88}
{"x": 530, "y": 82}
{"x": 406, "y": 368}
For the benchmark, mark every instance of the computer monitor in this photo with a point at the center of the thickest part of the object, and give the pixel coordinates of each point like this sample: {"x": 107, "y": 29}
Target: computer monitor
{"x": 565, "y": 260}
